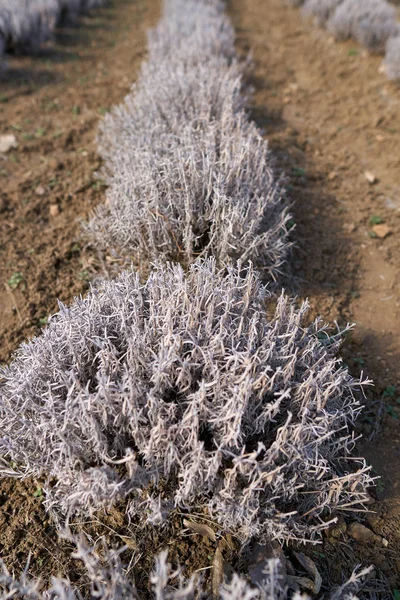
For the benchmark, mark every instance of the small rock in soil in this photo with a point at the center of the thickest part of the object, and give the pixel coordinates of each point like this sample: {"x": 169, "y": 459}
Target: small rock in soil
{"x": 370, "y": 177}
{"x": 54, "y": 210}
{"x": 381, "y": 231}
{"x": 360, "y": 533}
{"x": 7, "y": 142}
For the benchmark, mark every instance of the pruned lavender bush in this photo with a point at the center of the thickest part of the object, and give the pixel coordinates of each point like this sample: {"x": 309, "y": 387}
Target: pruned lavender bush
{"x": 192, "y": 30}
{"x": 370, "y": 22}
{"x": 321, "y": 10}
{"x": 188, "y": 174}
{"x": 185, "y": 383}
{"x": 391, "y": 63}
{"x": 168, "y": 97}
{"x": 26, "y": 24}
{"x": 209, "y": 191}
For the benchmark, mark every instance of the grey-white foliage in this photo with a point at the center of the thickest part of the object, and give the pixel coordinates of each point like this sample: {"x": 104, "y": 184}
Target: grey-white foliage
{"x": 26, "y": 24}
{"x": 321, "y": 10}
{"x": 391, "y": 62}
{"x": 209, "y": 190}
{"x": 185, "y": 382}
{"x": 370, "y": 22}
{"x": 104, "y": 577}
{"x": 188, "y": 173}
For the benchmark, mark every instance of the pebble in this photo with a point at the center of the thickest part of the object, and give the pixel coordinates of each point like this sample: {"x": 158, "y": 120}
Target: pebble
{"x": 370, "y": 177}
{"x": 54, "y": 210}
{"x": 360, "y": 533}
{"x": 7, "y": 142}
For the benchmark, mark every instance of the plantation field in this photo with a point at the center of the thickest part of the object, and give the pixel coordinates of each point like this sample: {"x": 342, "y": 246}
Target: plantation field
{"x": 332, "y": 122}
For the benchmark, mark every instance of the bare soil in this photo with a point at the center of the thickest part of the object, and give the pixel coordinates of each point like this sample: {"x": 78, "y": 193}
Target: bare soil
{"x": 333, "y": 121}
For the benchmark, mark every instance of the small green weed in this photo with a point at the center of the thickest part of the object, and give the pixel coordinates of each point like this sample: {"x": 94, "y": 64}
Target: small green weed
{"x": 298, "y": 171}
{"x": 15, "y": 280}
{"x": 38, "y": 493}
{"x": 375, "y": 220}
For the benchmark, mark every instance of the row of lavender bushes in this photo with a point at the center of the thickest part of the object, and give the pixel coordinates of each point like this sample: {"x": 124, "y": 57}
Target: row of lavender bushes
{"x": 188, "y": 390}
{"x": 26, "y": 24}
{"x": 372, "y": 23}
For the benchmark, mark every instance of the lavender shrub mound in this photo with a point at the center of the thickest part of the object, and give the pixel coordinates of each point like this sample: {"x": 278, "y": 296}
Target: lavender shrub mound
{"x": 208, "y": 190}
{"x": 321, "y": 10}
{"x": 188, "y": 174}
{"x": 185, "y": 383}
{"x": 26, "y": 24}
{"x": 370, "y": 22}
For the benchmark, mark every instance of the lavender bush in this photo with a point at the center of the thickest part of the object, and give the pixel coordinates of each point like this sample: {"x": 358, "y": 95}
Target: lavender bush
{"x": 185, "y": 382}
{"x": 188, "y": 174}
{"x": 391, "y": 62}
{"x": 26, "y": 24}
{"x": 208, "y": 190}
{"x": 370, "y": 22}
{"x": 321, "y": 10}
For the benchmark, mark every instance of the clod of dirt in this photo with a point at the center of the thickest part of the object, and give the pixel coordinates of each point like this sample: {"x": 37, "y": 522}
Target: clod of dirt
{"x": 337, "y": 530}
{"x": 54, "y": 210}
{"x": 7, "y": 142}
{"x": 360, "y": 533}
{"x": 381, "y": 231}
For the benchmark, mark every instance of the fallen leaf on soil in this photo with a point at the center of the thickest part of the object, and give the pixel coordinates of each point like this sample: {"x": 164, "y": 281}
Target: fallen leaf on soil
{"x": 381, "y": 231}
{"x": 54, "y": 210}
{"x": 201, "y": 529}
{"x": 7, "y": 142}
{"x": 310, "y": 567}
{"x": 303, "y": 582}
{"x": 370, "y": 177}
{"x": 360, "y": 533}
{"x": 218, "y": 573}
